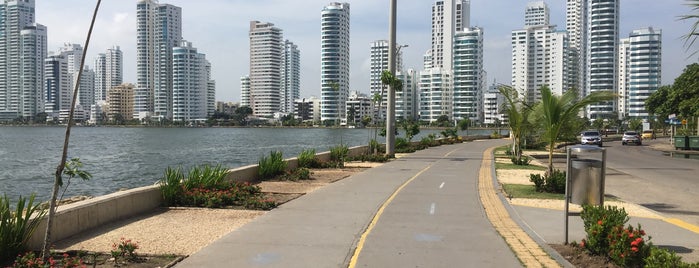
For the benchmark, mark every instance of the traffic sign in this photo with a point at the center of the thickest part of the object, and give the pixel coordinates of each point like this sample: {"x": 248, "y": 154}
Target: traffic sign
{"x": 684, "y": 121}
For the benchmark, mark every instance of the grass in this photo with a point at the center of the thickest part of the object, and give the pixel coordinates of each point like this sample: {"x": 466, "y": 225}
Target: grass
{"x": 528, "y": 191}
{"x": 513, "y": 166}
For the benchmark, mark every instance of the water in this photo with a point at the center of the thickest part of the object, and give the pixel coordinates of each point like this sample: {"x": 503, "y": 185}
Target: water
{"x": 120, "y": 158}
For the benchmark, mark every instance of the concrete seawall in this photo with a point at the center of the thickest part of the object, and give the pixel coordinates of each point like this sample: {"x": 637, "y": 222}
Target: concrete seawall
{"x": 82, "y": 216}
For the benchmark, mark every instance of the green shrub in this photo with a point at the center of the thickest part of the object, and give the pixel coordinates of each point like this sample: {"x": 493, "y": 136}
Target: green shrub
{"x": 495, "y": 135}
{"x": 522, "y": 161}
{"x": 171, "y": 185}
{"x": 402, "y": 143}
{"x": 375, "y": 147}
{"x": 308, "y": 159}
{"x": 16, "y": 227}
{"x": 297, "y": 174}
{"x": 269, "y": 167}
{"x": 338, "y": 155}
{"x": 599, "y": 223}
{"x": 662, "y": 258}
{"x": 549, "y": 183}
{"x": 204, "y": 176}
{"x": 380, "y": 158}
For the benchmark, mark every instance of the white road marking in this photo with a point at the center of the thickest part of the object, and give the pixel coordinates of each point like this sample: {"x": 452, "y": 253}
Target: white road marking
{"x": 432, "y": 207}
{"x": 441, "y": 185}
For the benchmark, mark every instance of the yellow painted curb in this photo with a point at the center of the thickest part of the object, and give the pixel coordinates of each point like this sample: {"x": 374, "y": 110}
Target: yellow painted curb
{"x": 682, "y": 224}
{"x": 524, "y": 247}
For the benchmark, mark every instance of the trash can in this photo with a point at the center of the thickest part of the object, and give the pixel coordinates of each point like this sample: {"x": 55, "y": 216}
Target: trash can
{"x": 680, "y": 142}
{"x": 694, "y": 142}
{"x": 585, "y": 176}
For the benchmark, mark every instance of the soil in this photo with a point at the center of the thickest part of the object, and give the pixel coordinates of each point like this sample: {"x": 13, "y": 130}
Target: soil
{"x": 580, "y": 258}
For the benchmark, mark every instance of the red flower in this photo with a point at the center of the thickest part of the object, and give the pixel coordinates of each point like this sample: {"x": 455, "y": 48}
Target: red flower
{"x": 634, "y": 249}
{"x": 599, "y": 222}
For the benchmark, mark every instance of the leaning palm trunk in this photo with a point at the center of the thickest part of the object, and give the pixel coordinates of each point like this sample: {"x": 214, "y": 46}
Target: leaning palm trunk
{"x": 61, "y": 166}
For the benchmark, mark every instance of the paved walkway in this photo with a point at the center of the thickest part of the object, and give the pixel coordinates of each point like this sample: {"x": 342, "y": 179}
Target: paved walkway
{"x": 434, "y": 208}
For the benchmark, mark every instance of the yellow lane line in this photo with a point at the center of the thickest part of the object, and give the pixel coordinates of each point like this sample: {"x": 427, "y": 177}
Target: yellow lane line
{"x": 524, "y": 247}
{"x": 362, "y": 239}
{"x": 682, "y": 224}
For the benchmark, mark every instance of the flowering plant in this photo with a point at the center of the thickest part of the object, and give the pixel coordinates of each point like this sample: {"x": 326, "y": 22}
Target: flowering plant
{"x": 627, "y": 247}
{"x": 125, "y": 248}
{"x": 30, "y": 260}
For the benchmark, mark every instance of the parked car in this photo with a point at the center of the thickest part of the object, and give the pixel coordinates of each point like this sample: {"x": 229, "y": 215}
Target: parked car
{"x": 631, "y": 137}
{"x": 648, "y": 134}
{"x": 591, "y": 137}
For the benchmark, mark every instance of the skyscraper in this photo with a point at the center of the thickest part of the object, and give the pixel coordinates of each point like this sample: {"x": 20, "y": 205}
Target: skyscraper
{"x": 266, "y": 59}
{"x": 57, "y": 83}
{"x": 191, "y": 78}
{"x": 291, "y": 76}
{"x": 639, "y": 70}
{"x": 245, "y": 91}
{"x": 159, "y": 30}
{"x": 22, "y": 49}
{"x": 448, "y": 17}
{"x": 379, "y": 64}
{"x": 540, "y": 55}
{"x": 594, "y": 24}
{"x": 109, "y": 69}
{"x": 468, "y": 75}
{"x": 334, "y": 60}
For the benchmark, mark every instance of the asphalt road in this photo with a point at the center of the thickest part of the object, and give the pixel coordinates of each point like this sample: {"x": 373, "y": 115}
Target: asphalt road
{"x": 641, "y": 175}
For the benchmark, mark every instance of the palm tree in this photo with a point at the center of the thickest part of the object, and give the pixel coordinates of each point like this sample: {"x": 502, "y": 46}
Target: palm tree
{"x": 691, "y": 37}
{"x": 556, "y": 111}
{"x": 518, "y": 113}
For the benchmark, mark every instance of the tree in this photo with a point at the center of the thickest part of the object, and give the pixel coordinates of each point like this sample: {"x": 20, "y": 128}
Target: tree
{"x": 598, "y": 124}
{"x": 61, "y": 168}
{"x": 635, "y": 124}
{"x": 463, "y": 125}
{"x": 556, "y": 111}
{"x": 691, "y": 37}
{"x": 518, "y": 113}
{"x": 443, "y": 121}
{"x": 241, "y": 115}
{"x": 411, "y": 129}
{"x": 351, "y": 113}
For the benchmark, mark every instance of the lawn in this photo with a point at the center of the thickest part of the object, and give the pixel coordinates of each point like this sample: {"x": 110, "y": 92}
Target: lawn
{"x": 513, "y": 166}
{"x": 527, "y": 191}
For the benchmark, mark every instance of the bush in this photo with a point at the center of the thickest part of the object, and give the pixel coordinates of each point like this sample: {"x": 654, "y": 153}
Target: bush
{"x": 550, "y": 183}
{"x": 269, "y": 167}
{"x": 338, "y": 155}
{"x": 599, "y": 223}
{"x": 174, "y": 182}
{"x": 380, "y": 158}
{"x": 627, "y": 247}
{"x": 402, "y": 143}
{"x": 298, "y": 174}
{"x": 522, "y": 161}
{"x": 375, "y": 147}
{"x": 308, "y": 159}
{"x": 662, "y": 258}
{"x": 16, "y": 227}
{"x": 429, "y": 141}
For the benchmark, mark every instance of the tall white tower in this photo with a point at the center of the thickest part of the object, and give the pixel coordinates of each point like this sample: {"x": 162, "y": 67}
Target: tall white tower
{"x": 335, "y": 55}
{"x": 190, "y": 83}
{"x": 594, "y": 28}
{"x": 448, "y": 17}
{"x": 266, "y": 60}
{"x": 379, "y": 64}
{"x": 109, "y": 69}
{"x": 640, "y": 62}
{"x": 291, "y": 76}
{"x": 159, "y": 29}
{"x": 468, "y": 74}
{"x": 22, "y": 48}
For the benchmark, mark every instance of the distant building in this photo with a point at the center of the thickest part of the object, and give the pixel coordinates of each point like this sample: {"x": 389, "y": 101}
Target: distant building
{"x": 493, "y": 102}
{"x": 109, "y": 72}
{"x": 436, "y": 92}
{"x": 58, "y": 91}
{"x": 335, "y": 60}
{"x": 245, "y": 91}
{"x": 191, "y": 78}
{"x": 379, "y": 64}
{"x": 226, "y": 107}
{"x": 305, "y": 109}
{"x": 291, "y": 76}
{"x": 266, "y": 59}
{"x": 407, "y": 99}
{"x": 358, "y": 106}
{"x": 33, "y": 47}
{"x": 121, "y": 102}
{"x": 159, "y": 30}
{"x": 468, "y": 75}
{"x": 640, "y": 58}
{"x": 448, "y": 17}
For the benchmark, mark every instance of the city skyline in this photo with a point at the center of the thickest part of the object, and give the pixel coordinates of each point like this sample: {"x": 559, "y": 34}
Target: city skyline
{"x": 220, "y": 28}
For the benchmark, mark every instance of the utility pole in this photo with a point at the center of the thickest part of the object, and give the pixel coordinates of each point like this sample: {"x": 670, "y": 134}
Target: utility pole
{"x": 391, "y": 105}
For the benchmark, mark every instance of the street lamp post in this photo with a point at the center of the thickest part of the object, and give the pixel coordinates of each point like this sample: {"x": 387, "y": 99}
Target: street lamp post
{"x": 391, "y": 111}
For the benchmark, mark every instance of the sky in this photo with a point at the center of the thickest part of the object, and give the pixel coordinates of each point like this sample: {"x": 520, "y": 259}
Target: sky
{"x": 219, "y": 28}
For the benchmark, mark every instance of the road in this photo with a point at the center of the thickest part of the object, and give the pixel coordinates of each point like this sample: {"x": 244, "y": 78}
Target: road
{"x": 641, "y": 175}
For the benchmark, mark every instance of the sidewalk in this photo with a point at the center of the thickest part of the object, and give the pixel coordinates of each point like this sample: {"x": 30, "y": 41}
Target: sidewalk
{"x": 328, "y": 227}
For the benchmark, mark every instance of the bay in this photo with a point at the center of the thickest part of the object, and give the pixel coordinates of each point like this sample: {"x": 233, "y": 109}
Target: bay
{"x": 123, "y": 158}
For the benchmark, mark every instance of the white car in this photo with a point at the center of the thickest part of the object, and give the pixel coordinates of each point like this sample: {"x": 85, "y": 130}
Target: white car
{"x": 631, "y": 137}
{"x": 591, "y": 137}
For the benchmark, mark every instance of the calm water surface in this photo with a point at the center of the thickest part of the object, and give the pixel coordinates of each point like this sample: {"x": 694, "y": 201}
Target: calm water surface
{"x": 121, "y": 158}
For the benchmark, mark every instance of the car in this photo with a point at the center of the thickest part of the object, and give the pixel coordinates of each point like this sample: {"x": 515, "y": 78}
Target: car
{"x": 648, "y": 134}
{"x": 631, "y": 137}
{"x": 591, "y": 137}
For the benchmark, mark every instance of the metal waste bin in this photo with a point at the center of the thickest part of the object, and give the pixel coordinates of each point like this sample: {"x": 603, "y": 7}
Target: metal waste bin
{"x": 585, "y": 176}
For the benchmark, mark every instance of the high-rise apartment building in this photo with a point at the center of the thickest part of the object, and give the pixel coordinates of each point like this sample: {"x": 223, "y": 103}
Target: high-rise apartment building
{"x": 639, "y": 70}
{"x": 57, "y": 83}
{"x": 22, "y": 49}
{"x": 109, "y": 69}
{"x": 245, "y": 91}
{"x": 379, "y": 64}
{"x": 266, "y": 60}
{"x": 291, "y": 76}
{"x": 159, "y": 30}
{"x": 335, "y": 55}
{"x": 191, "y": 78}
{"x": 468, "y": 75}
{"x": 407, "y": 99}
{"x": 121, "y": 102}
{"x": 73, "y": 54}
{"x": 33, "y": 44}
{"x": 448, "y": 17}
{"x": 436, "y": 92}
{"x": 594, "y": 25}
{"x": 541, "y": 56}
